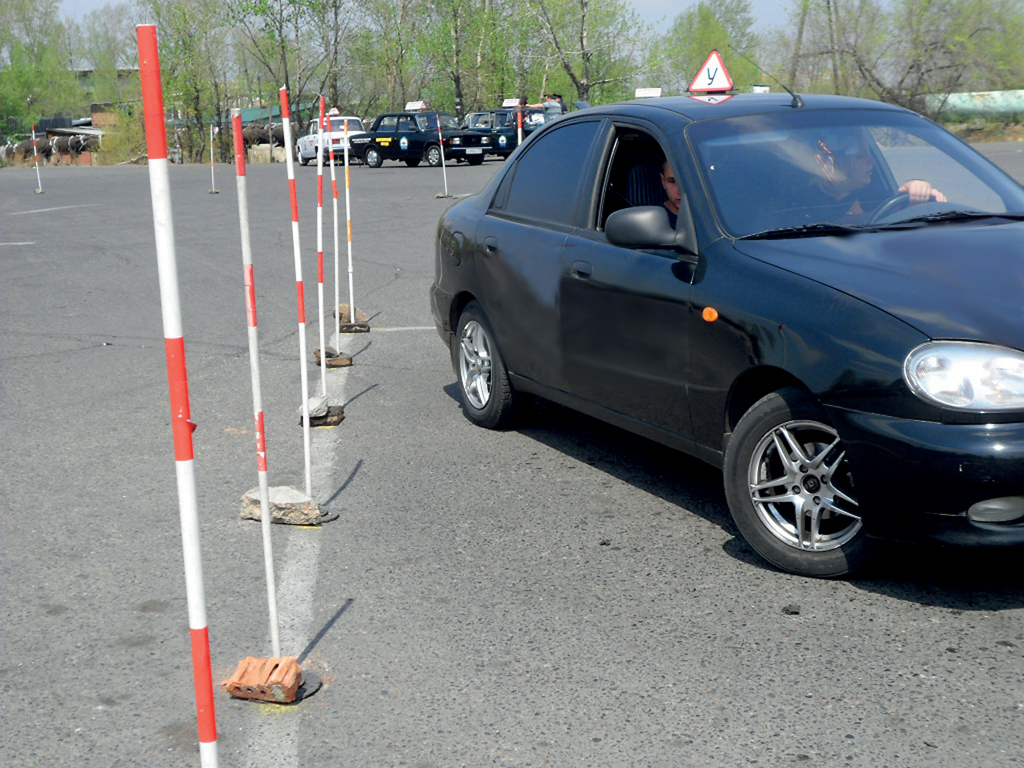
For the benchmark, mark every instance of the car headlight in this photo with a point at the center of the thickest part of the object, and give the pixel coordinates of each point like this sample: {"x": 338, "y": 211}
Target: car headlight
{"x": 967, "y": 375}
{"x": 456, "y": 140}
{"x": 485, "y": 140}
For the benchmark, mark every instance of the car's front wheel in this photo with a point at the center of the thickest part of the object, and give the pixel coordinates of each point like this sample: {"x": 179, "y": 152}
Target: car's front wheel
{"x": 372, "y": 157}
{"x": 790, "y": 489}
{"x": 475, "y": 159}
{"x": 433, "y": 155}
{"x": 486, "y": 392}
{"x": 302, "y": 160}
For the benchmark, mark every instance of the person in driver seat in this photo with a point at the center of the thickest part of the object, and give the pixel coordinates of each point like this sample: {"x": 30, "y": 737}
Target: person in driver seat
{"x": 843, "y": 167}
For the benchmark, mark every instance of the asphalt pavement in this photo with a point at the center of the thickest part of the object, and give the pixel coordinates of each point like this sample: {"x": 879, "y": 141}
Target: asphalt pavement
{"x": 561, "y": 594}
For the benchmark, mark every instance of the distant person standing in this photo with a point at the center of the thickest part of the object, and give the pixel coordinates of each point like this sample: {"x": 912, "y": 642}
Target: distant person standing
{"x": 558, "y": 98}
{"x": 552, "y": 109}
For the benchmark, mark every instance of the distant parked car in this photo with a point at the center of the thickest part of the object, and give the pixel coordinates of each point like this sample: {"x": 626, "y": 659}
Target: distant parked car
{"x": 503, "y": 127}
{"x": 412, "y": 137}
{"x": 306, "y": 146}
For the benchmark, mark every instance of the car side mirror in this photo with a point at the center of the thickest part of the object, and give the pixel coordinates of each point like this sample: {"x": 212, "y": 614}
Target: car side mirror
{"x": 646, "y": 226}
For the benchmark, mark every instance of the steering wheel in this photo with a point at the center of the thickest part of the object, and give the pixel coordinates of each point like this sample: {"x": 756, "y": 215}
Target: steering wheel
{"x": 897, "y": 202}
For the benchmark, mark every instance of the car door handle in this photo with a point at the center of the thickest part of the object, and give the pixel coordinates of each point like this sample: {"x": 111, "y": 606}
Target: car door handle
{"x": 582, "y": 269}
{"x": 491, "y": 244}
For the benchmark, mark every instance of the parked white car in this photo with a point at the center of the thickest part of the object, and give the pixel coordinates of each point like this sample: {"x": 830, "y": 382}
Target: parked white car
{"x": 305, "y": 147}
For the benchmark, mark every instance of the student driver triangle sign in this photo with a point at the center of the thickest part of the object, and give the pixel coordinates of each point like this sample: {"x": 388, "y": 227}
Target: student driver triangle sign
{"x": 713, "y": 76}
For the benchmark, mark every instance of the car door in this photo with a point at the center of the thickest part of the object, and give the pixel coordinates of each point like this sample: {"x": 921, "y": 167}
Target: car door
{"x": 410, "y": 140}
{"x": 519, "y": 244}
{"x": 385, "y": 136}
{"x": 625, "y": 313}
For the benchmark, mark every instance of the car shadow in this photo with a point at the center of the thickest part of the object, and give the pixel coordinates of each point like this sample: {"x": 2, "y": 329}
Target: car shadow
{"x": 947, "y": 577}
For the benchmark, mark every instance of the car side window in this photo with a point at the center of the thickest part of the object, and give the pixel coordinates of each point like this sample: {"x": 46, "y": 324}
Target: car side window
{"x": 387, "y": 124}
{"x": 547, "y": 177}
{"x": 406, "y": 125}
{"x": 634, "y": 174}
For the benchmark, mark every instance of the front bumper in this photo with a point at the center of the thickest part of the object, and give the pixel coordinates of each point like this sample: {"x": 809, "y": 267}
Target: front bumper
{"x": 916, "y": 480}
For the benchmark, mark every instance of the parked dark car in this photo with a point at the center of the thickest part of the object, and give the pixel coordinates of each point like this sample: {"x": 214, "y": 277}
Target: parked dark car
{"x": 413, "y": 137}
{"x": 502, "y": 126}
{"x": 852, "y": 362}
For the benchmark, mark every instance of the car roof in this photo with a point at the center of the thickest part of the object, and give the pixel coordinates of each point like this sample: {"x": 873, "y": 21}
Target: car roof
{"x": 739, "y": 104}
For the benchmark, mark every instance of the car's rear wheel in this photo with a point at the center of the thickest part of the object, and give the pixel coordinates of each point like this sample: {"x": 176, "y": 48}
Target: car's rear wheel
{"x": 433, "y": 155}
{"x": 372, "y": 157}
{"x": 413, "y": 163}
{"x": 790, "y": 490}
{"x": 487, "y": 394}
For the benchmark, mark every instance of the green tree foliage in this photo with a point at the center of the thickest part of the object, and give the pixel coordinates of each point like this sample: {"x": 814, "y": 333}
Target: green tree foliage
{"x": 371, "y": 56}
{"x": 698, "y": 31}
{"x": 905, "y": 50}
{"x": 36, "y": 79}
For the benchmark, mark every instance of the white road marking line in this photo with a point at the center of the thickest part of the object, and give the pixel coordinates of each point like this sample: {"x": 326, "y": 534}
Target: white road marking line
{"x": 274, "y": 740}
{"x": 408, "y": 328}
{"x": 60, "y": 208}
{"x": 2, "y": 244}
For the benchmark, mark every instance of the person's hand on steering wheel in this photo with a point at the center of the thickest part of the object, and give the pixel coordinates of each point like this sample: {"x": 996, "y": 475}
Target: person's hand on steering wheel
{"x": 921, "y": 191}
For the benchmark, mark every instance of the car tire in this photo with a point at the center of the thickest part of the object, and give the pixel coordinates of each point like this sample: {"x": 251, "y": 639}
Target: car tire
{"x": 412, "y": 163}
{"x": 433, "y": 155}
{"x": 789, "y": 488}
{"x": 302, "y": 160}
{"x": 475, "y": 159}
{"x": 372, "y": 157}
{"x": 487, "y": 395}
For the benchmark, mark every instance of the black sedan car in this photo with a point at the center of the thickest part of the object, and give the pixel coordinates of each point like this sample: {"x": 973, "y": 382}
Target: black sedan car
{"x": 502, "y": 125}
{"x": 413, "y": 137}
{"x": 835, "y": 319}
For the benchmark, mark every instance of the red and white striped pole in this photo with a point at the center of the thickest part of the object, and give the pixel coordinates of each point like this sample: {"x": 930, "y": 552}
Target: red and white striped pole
{"x": 35, "y": 154}
{"x": 348, "y": 221}
{"x": 213, "y": 180}
{"x": 249, "y": 278}
{"x": 320, "y": 245}
{"x": 177, "y": 377}
{"x": 444, "y": 169}
{"x": 286, "y": 117}
{"x": 334, "y": 202}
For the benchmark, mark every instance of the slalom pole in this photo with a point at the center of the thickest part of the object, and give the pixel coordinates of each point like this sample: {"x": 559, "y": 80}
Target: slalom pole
{"x": 334, "y": 194}
{"x": 35, "y": 153}
{"x": 519, "y": 120}
{"x": 286, "y": 117}
{"x": 320, "y": 246}
{"x": 213, "y": 180}
{"x": 177, "y": 377}
{"x": 348, "y": 220}
{"x": 444, "y": 170}
{"x": 249, "y": 278}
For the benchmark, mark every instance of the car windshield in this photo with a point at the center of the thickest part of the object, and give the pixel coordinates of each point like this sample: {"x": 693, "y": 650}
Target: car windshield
{"x": 354, "y": 124}
{"x": 427, "y": 122}
{"x": 823, "y": 171}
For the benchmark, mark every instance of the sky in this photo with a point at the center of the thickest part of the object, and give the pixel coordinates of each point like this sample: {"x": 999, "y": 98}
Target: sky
{"x": 767, "y": 13}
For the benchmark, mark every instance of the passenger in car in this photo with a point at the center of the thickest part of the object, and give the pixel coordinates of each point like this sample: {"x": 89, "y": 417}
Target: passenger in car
{"x": 674, "y": 197}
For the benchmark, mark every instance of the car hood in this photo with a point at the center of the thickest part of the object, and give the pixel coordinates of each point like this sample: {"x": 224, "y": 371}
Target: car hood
{"x": 952, "y": 281}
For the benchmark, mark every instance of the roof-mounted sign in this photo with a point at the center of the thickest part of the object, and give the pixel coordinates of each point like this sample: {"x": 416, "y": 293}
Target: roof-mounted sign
{"x": 648, "y": 93}
{"x": 513, "y": 102}
{"x": 415, "y": 106}
{"x": 713, "y": 98}
{"x": 713, "y": 76}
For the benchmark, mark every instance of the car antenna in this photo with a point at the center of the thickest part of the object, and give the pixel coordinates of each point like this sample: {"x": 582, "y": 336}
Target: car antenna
{"x": 797, "y": 102}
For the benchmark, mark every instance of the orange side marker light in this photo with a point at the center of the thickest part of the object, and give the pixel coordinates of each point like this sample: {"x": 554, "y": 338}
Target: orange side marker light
{"x": 710, "y": 314}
